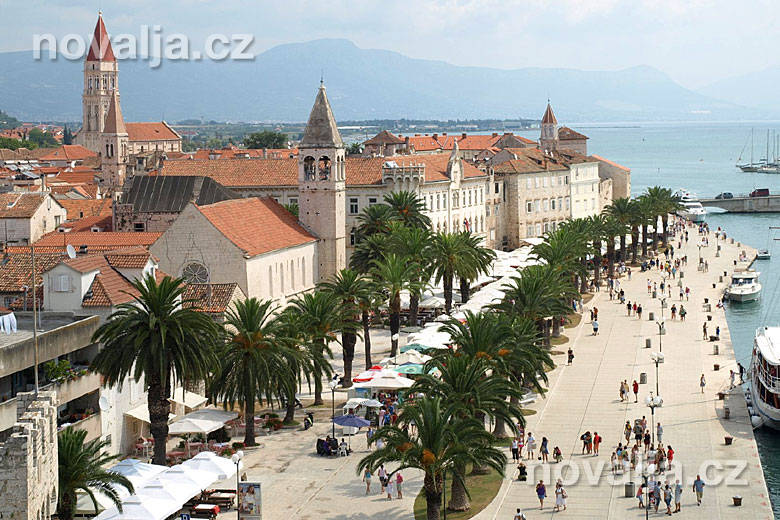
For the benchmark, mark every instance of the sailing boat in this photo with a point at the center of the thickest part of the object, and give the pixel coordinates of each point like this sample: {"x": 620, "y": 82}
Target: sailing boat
{"x": 751, "y": 166}
{"x": 765, "y": 254}
{"x": 773, "y": 166}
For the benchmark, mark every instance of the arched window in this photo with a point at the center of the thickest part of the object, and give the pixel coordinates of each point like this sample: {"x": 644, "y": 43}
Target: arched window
{"x": 324, "y": 168}
{"x": 195, "y": 272}
{"x": 308, "y": 168}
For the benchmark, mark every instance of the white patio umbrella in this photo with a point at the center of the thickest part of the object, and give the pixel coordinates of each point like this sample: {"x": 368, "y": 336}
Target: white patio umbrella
{"x": 206, "y": 461}
{"x": 190, "y": 425}
{"x": 202, "y": 479}
{"x": 141, "y": 508}
{"x": 386, "y": 382}
{"x": 136, "y": 472}
{"x": 177, "y": 490}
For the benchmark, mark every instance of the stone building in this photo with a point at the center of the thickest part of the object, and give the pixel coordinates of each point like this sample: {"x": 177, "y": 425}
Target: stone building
{"x": 152, "y": 203}
{"x": 27, "y": 216}
{"x": 29, "y": 475}
{"x": 618, "y": 174}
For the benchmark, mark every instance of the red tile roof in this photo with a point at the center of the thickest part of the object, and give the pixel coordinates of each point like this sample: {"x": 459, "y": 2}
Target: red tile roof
{"x": 104, "y": 241}
{"x": 100, "y": 49}
{"x": 565, "y": 134}
{"x": 135, "y": 257}
{"x": 368, "y": 170}
{"x": 20, "y": 204}
{"x": 213, "y": 298}
{"x": 108, "y": 289}
{"x": 531, "y": 160}
{"x": 242, "y": 153}
{"x": 68, "y": 152}
{"x": 77, "y": 176}
{"x": 256, "y": 225}
{"x": 103, "y": 222}
{"x": 16, "y": 273}
{"x": 385, "y": 137}
{"x": 238, "y": 172}
{"x": 611, "y": 163}
{"x": 549, "y": 116}
{"x": 151, "y": 132}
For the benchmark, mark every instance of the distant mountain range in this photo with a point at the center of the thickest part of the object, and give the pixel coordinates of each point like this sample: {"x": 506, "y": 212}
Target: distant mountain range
{"x": 280, "y": 85}
{"x": 756, "y": 89}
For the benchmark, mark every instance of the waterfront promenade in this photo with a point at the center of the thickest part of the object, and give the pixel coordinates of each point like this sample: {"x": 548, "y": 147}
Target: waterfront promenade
{"x": 585, "y": 397}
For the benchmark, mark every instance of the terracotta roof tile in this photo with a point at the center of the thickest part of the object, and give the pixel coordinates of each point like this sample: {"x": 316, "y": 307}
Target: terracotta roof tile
{"x": 15, "y": 274}
{"x": 108, "y": 289}
{"x": 79, "y": 208}
{"x": 213, "y": 298}
{"x": 68, "y": 152}
{"x": 244, "y": 153}
{"x": 104, "y": 222}
{"x": 82, "y": 175}
{"x": 100, "y": 49}
{"x": 256, "y": 225}
{"x": 151, "y": 132}
{"x": 530, "y": 160}
{"x": 611, "y": 163}
{"x": 368, "y": 170}
{"x": 565, "y": 134}
{"x": 549, "y": 116}
{"x": 104, "y": 241}
{"x": 20, "y": 204}
{"x": 385, "y": 137}
{"x": 238, "y": 172}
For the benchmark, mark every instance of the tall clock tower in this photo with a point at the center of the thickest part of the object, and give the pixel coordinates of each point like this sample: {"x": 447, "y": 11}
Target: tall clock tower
{"x": 321, "y": 185}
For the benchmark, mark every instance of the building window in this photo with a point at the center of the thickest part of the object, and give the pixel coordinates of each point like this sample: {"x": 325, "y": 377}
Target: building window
{"x": 545, "y": 181}
{"x": 353, "y": 206}
{"x": 498, "y": 190}
{"x": 139, "y": 227}
{"x": 546, "y": 205}
{"x": 371, "y": 201}
{"x": 536, "y": 181}
{"x": 352, "y": 237}
{"x": 529, "y": 183}
{"x": 444, "y": 201}
{"x": 270, "y": 281}
{"x": 566, "y": 179}
{"x": 455, "y": 201}
{"x": 529, "y": 207}
{"x": 195, "y": 272}
{"x": 552, "y": 204}
{"x": 438, "y": 201}
{"x": 61, "y": 283}
{"x": 567, "y": 203}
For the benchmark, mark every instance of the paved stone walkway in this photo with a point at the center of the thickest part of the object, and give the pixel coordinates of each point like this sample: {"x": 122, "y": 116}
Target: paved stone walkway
{"x": 585, "y": 396}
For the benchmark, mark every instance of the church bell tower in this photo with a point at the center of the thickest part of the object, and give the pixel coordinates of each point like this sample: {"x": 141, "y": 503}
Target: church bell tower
{"x": 548, "y": 141}
{"x": 321, "y": 183}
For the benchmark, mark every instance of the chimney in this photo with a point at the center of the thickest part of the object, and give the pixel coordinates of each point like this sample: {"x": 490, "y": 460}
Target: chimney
{"x": 463, "y": 135}
{"x": 444, "y": 133}
{"x": 494, "y": 134}
{"x": 435, "y": 136}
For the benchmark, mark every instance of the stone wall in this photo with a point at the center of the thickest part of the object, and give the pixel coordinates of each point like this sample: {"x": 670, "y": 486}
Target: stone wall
{"x": 28, "y": 460}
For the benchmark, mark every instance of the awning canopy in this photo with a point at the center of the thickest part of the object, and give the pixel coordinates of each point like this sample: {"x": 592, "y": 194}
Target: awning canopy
{"x": 190, "y": 425}
{"x": 141, "y": 412}
{"x": 189, "y": 399}
{"x": 136, "y": 472}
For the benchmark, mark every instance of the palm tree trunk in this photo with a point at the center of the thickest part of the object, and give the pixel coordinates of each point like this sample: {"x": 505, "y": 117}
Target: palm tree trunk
{"x": 159, "y": 410}
{"x": 665, "y": 223}
{"x": 655, "y": 233}
{"x": 65, "y": 507}
{"x": 289, "y": 415}
{"x": 556, "y": 327}
{"x": 465, "y": 290}
{"x": 597, "y": 262}
{"x": 623, "y": 248}
{"x": 634, "y": 245}
{"x": 459, "y": 500}
{"x": 611, "y": 257}
{"x": 414, "y": 307}
{"x": 348, "y": 341}
{"x": 249, "y": 419}
{"x": 584, "y": 276}
{"x": 317, "y": 373}
{"x": 395, "y": 323}
{"x": 447, "y": 293}
{"x": 366, "y": 320}
{"x": 644, "y": 240}
{"x": 432, "y": 496}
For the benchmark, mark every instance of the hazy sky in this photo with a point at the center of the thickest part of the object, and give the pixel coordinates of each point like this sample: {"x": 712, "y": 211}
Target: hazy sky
{"x": 694, "y": 41}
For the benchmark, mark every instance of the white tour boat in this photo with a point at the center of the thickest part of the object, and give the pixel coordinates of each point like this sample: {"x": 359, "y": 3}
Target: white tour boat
{"x": 744, "y": 286}
{"x": 764, "y": 397}
{"x": 691, "y": 208}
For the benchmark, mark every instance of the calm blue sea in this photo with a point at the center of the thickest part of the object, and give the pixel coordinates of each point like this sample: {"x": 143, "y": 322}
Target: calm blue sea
{"x": 701, "y": 158}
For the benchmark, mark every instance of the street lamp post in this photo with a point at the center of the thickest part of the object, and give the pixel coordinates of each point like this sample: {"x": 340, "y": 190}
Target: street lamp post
{"x": 653, "y": 402}
{"x": 657, "y": 357}
{"x": 333, "y": 384}
{"x": 660, "y": 334}
{"x": 236, "y": 459}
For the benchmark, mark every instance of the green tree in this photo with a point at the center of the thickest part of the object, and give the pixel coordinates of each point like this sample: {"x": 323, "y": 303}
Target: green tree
{"x": 82, "y": 468}
{"x": 159, "y": 339}
{"x": 252, "y": 364}
{"x": 319, "y": 320}
{"x": 350, "y": 288}
{"x": 622, "y": 211}
{"x": 408, "y": 208}
{"x": 438, "y": 440}
{"x": 613, "y": 228}
{"x": 374, "y": 219}
{"x": 447, "y": 259}
{"x": 7, "y": 121}
{"x": 292, "y": 208}
{"x": 392, "y": 274}
{"x": 41, "y": 138}
{"x": 266, "y": 139}
{"x": 354, "y": 149}
{"x": 480, "y": 259}
{"x": 413, "y": 243}
{"x": 15, "y": 144}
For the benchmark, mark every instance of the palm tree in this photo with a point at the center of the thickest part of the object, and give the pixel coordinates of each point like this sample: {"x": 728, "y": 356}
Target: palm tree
{"x": 479, "y": 392}
{"x": 636, "y": 221}
{"x": 621, "y": 211}
{"x": 597, "y": 226}
{"x": 480, "y": 259}
{"x": 408, "y": 208}
{"x": 663, "y": 202}
{"x": 252, "y": 365}
{"x": 578, "y": 234}
{"x": 374, "y": 219}
{"x": 439, "y": 440}
{"x": 350, "y": 288}
{"x": 613, "y": 228}
{"x": 368, "y": 304}
{"x": 646, "y": 213}
{"x": 447, "y": 259}
{"x": 158, "y": 338}
{"x": 82, "y": 468}
{"x": 413, "y": 243}
{"x": 391, "y": 275}
{"x": 318, "y": 318}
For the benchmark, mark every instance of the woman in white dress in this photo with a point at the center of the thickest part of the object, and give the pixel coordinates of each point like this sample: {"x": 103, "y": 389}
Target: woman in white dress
{"x": 560, "y": 496}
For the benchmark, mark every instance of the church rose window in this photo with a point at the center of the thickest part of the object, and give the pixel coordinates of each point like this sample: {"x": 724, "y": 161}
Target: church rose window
{"x": 195, "y": 272}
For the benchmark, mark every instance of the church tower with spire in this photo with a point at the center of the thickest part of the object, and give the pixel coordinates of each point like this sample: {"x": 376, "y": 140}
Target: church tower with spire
{"x": 101, "y": 83}
{"x": 548, "y": 141}
{"x": 321, "y": 185}
{"x": 113, "y": 147}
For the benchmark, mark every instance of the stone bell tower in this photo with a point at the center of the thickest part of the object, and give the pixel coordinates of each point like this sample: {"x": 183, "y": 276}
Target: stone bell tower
{"x": 548, "y": 140}
{"x": 113, "y": 148}
{"x": 321, "y": 185}
{"x": 101, "y": 83}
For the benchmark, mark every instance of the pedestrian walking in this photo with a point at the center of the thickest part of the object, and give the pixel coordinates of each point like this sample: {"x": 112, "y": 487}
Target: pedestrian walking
{"x": 519, "y": 515}
{"x": 687, "y": 293}
{"x": 640, "y": 495}
{"x": 627, "y": 432}
{"x": 717, "y": 331}
{"x": 530, "y": 445}
{"x": 634, "y": 307}
{"x": 674, "y": 311}
{"x": 382, "y": 474}
{"x": 560, "y": 496}
{"x": 702, "y": 383}
{"x": 544, "y": 450}
{"x": 390, "y": 488}
{"x": 656, "y": 496}
{"x": 649, "y": 286}
{"x": 595, "y": 313}
{"x": 639, "y": 312}
{"x": 677, "y": 495}
{"x": 669, "y": 455}
{"x": 704, "y": 331}
{"x": 367, "y": 480}
{"x": 628, "y": 308}
{"x": 647, "y": 441}
{"x": 683, "y": 313}
{"x": 635, "y": 388}
{"x": 541, "y": 493}
{"x": 732, "y": 375}
{"x": 514, "y": 447}
{"x": 595, "y": 327}
{"x": 698, "y": 488}
{"x": 659, "y": 432}
{"x": 668, "y": 498}
{"x": 596, "y": 442}
{"x": 570, "y": 355}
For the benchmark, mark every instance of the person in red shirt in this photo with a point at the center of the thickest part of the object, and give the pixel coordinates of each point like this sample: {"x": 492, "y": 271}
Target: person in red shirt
{"x": 636, "y": 391}
{"x": 596, "y": 442}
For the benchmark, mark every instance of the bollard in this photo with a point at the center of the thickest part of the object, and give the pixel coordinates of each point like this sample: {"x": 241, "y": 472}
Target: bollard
{"x": 655, "y": 294}
{"x": 648, "y": 343}
{"x": 650, "y": 316}
{"x": 720, "y": 279}
{"x": 715, "y": 349}
{"x": 682, "y": 274}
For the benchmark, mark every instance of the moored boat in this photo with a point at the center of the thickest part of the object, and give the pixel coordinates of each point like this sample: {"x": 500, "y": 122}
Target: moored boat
{"x": 691, "y": 208}
{"x": 744, "y": 286}
{"x": 765, "y": 378}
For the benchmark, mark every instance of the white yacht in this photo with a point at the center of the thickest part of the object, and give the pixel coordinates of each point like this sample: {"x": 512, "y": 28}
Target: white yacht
{"x": 744, "y": 286}
{"x": 764, "y": 397}
{"x": 691, "y": 208}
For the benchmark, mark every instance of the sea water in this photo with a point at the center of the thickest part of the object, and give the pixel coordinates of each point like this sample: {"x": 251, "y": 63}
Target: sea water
{"x": 701, "y": 157}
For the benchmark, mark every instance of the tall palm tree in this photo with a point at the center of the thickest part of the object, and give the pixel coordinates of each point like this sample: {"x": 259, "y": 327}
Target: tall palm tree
{"x": 663, "y": 202}
{"x": 350, "y": 288}
{"x": 159, "y": 339}
{"x": 392, "y": 274}
{"x": 368, "y": 304}
{"x": 438, "y": 440}
{"x": 597, "y": 225}
{"x": 408, "y": 208}
{"x": 253, "y": 363}
{"x": 374, "y": 219}
{"x": 319, "y": 319}
{"x": 577, "y": 232}
{"x": 621, "y": 211}
{"x": 480, "y": 259}
{"x": 82, "y": 468}
{"x": 636, "y": 221}
{"x": 613, "y": 228}
{"x": 413, "y": 243}
{"x": 447, "y": 259}
{"x": 479, "y": 392}
{"x": 645, "y": 216}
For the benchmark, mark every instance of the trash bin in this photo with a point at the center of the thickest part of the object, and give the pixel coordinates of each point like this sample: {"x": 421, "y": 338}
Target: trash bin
{"x": 682, "y": 274}
{"x": 630, "y": 490}
{"x": 720, "y": 279}
{"x": 715, "y": 350}
{"x": 655, "y": 294}
{"x": 648, "y": 343}
{"x": 737, "y": 500}
{"x": 650, "y": 316}
{"x": 643, "y": 378}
